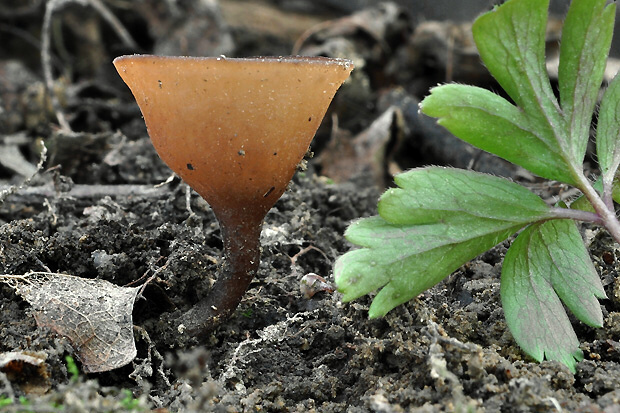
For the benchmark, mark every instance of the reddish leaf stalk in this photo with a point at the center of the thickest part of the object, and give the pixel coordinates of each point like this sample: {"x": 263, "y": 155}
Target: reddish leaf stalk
{"x": 607, "y": 215}
{"x": 565, "y": 213}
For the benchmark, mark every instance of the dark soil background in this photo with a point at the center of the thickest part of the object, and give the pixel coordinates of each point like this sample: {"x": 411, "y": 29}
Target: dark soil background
{"x": 101, "y": 206}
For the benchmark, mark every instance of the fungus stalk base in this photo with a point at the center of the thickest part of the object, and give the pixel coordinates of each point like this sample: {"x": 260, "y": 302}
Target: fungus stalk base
{"x": 241, "y": 260}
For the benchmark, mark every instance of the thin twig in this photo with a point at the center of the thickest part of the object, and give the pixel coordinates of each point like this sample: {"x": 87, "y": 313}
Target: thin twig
{"x": 53, "y": 5}
{"x": 24, "y": 10}
{"x": 116, "y": 24}
{"x": 82, "y": 191}
{"x": 46, "y": 62}
{"x": 188, "y": 201}
{"x": 28, "y": 38}
{"x": 305, "y": 250}
{"x": 152, "y": 277}
{"x": 4, "y": 193}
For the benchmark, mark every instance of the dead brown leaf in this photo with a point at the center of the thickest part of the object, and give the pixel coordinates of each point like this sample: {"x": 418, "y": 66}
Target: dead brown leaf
{"x": 367, "y": 154}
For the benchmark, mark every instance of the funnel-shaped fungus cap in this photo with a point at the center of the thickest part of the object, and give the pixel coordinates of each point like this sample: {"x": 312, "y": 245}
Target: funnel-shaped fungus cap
{"x": 233, "y": 129}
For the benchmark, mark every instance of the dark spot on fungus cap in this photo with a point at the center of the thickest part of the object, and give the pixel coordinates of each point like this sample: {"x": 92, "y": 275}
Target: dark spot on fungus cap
{"x": 310, "y": 119}
{"x": 268, "y": 192}
{"x": 190, "y": 166}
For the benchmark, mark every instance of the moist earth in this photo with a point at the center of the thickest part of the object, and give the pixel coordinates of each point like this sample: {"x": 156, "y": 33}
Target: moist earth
{"x": 103, "y": 206}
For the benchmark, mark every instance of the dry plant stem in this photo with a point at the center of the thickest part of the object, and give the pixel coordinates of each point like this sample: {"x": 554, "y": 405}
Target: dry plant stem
{"x": 46, "y": 62}
{"x": 50, "y": 8}
{"x": 37, "y": 194}
{"x": 14, "y": 11}
{"x": 6, "y": 192}
{"x": 241, "y": 259}
{"x": 115, "y": 23}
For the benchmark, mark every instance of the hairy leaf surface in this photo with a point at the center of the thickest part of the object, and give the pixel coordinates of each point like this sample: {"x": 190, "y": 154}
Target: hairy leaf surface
{"x": 491, "y": 123}
{"x": 511, "y": 42}
{"x": 434, "y": 194}
{"x": 608, "y": 131}
{"x": 419, "y": 239}
{"x": 439, "y": 218}
{"x": 545, "y": 266}
{"x": 586, "y": 39}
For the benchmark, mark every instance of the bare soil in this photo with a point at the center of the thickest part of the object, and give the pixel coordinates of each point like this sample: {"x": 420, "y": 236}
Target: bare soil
{"x": 94, "y": 211}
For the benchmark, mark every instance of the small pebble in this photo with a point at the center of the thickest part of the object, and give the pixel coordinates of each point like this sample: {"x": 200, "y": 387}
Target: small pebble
{"x": 312, "y": 283}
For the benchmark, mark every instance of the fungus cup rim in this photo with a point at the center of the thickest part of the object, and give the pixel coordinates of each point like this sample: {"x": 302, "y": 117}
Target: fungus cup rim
{"x": 345, "y": 63}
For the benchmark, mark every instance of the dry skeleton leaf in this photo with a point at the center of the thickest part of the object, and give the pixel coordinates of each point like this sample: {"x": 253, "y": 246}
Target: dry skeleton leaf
{"x": 94, "y": 315}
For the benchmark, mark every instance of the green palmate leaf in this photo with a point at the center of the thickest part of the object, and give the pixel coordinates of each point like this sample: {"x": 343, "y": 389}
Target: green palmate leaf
{"x": 608, "y": 131}
{"x": 440, "y": 218}
{"x": 538, "y": 135}
{"x": 420, "y": 239}
{"x": 511, "y": 42}
{"x": 493, "y": 124}
{"x": 395, "y": 259}
{"x": 546, "y": 265}
{"x": 586, "y": 39}
{"x": 436, "y": 194}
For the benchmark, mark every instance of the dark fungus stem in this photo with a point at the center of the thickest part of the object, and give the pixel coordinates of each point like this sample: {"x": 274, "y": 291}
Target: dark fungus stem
{"x": 241, "y": 259}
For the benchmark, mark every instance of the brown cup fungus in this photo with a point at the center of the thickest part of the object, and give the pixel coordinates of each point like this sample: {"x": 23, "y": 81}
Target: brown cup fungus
{"x": 235, "y": 131}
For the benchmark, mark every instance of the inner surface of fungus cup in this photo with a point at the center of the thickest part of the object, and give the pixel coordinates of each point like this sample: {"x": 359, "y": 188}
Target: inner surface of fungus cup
{"x": 235, "y": 131}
